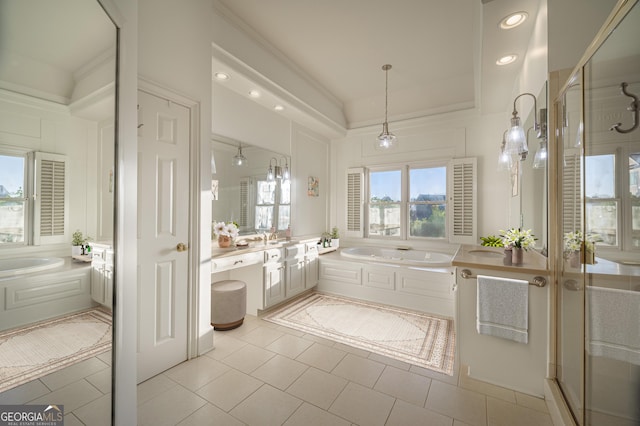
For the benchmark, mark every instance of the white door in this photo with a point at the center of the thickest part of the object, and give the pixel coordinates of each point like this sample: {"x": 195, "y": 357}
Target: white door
{"x": 163, "y": 225}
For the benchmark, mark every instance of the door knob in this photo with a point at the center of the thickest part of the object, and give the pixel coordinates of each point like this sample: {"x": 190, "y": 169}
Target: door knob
{"x": 181, "y": 247}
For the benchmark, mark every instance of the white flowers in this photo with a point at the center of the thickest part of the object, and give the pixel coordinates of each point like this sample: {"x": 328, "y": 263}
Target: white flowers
{"x": 517, "y": 238}
{"x": 573, "y": 241}
{"x": 225, "y": 229}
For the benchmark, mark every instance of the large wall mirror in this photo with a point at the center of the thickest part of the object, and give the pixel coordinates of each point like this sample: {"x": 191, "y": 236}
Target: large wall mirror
{"x": 57, "y": 98}
{"x": 250, "y": 186}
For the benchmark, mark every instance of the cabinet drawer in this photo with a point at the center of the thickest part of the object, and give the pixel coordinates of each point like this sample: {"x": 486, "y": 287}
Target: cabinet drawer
{"x": 231, "y": 262}
{"x": 272, "y": 255}
{"x": 295, "y": 251}
{"x": 311, "y": 249}
{"x": 343, "y": 272}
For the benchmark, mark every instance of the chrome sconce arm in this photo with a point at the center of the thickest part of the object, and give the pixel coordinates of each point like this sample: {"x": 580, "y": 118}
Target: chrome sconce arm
{"x": 275, "y": 170}
{"x": 634, "y": 108}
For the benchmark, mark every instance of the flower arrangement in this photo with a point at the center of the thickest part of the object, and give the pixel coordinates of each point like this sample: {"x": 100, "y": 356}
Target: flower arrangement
{"x": 491, "y": 241}
{"x": 518, "y": 238}
{"x": 573, "y": 241}
{"x": 223, "y": 229}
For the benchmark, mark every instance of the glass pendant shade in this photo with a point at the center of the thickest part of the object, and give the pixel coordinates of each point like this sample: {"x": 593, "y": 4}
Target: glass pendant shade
{"x": 270, "y": 176}
{"x": 516, "y": 138}
{"x": 540, "y": 160}
{"x": 239, "y": 160}
{"x": 386, "y": 139}
{"x": 285, "y": 174}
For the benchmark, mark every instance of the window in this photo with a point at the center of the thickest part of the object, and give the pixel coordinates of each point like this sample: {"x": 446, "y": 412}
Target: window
{"x": 273, "y": 205}
{"x": 426, "y": 203}
{"x": 13, "y": 199}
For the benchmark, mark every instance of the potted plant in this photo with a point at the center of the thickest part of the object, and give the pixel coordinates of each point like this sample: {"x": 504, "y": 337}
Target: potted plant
{"x": 519, "y": 240}
{"x": 335, "y": 237}
{"x": 78, "y": 242}
{"x": 225, "y": 232}
{"x": 577, "y": 248}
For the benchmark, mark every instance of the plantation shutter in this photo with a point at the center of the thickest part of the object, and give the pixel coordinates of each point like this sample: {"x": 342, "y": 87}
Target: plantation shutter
{"x": 50, "y": 199}
{"x": 462, "y": 201}
{"x": 355, "y": 194}
{"x": 571, "y": 194}
{"x": 243, "y": 220}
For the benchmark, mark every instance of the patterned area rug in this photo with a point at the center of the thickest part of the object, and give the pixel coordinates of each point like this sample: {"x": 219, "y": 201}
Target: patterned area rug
{"x": 38, "y": 349}
{"x": 420, "y": 339}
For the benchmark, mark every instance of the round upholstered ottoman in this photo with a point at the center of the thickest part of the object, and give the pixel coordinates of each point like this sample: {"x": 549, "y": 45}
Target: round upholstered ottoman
{"x": 228, "y": 304}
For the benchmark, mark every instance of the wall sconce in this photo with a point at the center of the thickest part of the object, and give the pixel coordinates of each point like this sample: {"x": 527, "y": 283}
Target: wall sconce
{"x": 239, "y": 160}
{"x": 516, "y": 138}
{"x": 540, "y": 160}
{"x": 504, "y": 159}
{"x": 276, "y": 171}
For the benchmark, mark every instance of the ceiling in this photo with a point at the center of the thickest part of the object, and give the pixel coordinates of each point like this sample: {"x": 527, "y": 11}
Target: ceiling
{"x": 442, "y": 53}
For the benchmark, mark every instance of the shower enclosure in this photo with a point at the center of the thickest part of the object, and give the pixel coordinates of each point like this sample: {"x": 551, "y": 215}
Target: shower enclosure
{"x": 598, "y": 227}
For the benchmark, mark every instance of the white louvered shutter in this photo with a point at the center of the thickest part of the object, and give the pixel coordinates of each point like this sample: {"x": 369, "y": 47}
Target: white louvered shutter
{"x": 571, "y": 193}
{"x": 51, "y": 216}
{"x": 355, "y": 201}
{"x": 462, "y": 201}
{"x": 243, "y": 221}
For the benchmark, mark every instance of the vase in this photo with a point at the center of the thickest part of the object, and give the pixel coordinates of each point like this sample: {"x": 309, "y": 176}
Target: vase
{"x": 574, "y": 259}
{"x": 508, "y": 256}
{"x": 224, "y": 241}
{"x": 76, "y": 250}
{"x": 517, "y": 256}
{"x": 589, "y": 257}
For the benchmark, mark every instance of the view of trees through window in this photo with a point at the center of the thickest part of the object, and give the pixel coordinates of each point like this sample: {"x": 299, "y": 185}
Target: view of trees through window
{"x": 12, "y": 199}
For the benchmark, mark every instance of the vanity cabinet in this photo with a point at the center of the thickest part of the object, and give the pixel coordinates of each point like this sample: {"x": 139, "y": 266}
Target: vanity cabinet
{"x": 311, "y": 265}
{"x": 295, "y": 266}
{"x": 273, "y": 277}
{"x": 102, "y": 274}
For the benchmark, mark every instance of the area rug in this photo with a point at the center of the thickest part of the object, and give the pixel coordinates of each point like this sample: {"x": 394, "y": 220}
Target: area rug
{"x": 420, "y": 339}
{"x": 30, "y": 352}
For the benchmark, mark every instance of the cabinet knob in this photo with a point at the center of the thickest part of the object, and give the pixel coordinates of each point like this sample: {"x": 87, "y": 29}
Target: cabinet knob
{"x": 181, "y": 247}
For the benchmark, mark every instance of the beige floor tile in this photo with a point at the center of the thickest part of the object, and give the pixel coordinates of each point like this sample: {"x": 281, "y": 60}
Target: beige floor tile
{"x": 290, "y": 331}
{"x": 210, "y": 415}
{"x": 196, "y": 372}
{"x": 106, "y": 357}
{"x": 72, "y": 420}
{"x": 362, "y": 405}
{"x": 317, "y": 387}
{"x": 350, "y": 349}
{"x": 441, "y": 377}
{"x": 289, "y": 346}
{"x": 267, "y": 406}
{"x": 310, "y": 415}
{"x": 224, "y": 346}
{"x": 460, "y": 423}
{"x": 244, "y": 329}
{"x": 321, "y": 356}
{"x": 461, "y": 404}
{"x": 405, "y": 414}
{"x": 153, "y": 387}
{"x": 229, "y": 389}
{"x": 95, "y": 413}
{"x": 407, "y": 386}
{"x": 360, "y": 370}
{"x": 502, "y": 413}
{"x": 531, "y": 402}
{"x": 390, "y": 361}
{"x": 73, "y": 373}
{"x": 319, "y": 339}
{"x": 24, "y": 393}
{"x": 248, "y": 358}
{"x": 280, "y": 371}
{"x": 169, "y": 407}
{"x": 71, "y": 396}
{"x": 262, "y": 336}
{"x": 101, "y": 380}
{"x": 488, "y": 389}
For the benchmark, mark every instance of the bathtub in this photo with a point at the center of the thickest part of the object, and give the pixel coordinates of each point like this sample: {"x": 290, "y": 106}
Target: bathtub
{"x": 404, "y": 257}
{"x": 27, "y": 265}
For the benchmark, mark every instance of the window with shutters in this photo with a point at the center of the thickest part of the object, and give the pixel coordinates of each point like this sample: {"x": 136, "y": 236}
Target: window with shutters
{"x": 434, "y": 200}
{"x": 33, "y": 198}
{"x": 273, "y": 205}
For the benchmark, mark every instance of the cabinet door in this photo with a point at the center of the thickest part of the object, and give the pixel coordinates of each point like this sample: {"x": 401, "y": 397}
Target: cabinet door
{"x": 97, "y": 282}
{"x": 311, "y": 271}
{"x": 295, "y": 277}
{"x": 273, "y": 284}
{"x": 108, "y": 286}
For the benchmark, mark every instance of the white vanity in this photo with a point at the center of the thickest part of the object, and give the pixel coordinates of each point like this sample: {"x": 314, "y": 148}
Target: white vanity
{"x": 273, "y": 272}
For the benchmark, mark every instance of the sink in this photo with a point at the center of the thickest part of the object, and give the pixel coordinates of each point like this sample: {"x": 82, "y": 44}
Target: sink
{"x": 485, "y": 253}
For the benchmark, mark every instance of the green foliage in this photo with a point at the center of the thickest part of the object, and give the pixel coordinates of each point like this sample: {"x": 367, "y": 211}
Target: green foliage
{"x": 78, "y": 238}
{"x": 334, "y": 233}
{"x": 491, "y": 241}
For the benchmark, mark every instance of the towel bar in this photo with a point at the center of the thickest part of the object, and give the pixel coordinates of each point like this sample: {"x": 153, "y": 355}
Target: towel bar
{"x": 538, "y": 281}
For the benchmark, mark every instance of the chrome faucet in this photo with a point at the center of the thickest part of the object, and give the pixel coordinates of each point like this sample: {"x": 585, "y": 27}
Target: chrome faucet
{"x": 273, "y": 236}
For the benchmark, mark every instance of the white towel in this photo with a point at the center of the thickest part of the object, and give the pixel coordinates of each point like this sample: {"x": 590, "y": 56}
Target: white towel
{"x": 503, "y": 308}
{"x": 614, "y": 324}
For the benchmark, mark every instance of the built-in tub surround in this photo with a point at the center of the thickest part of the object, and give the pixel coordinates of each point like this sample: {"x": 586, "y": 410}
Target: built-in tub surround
{"x": 28, "y": 265}
{"x": 400, "y": 255}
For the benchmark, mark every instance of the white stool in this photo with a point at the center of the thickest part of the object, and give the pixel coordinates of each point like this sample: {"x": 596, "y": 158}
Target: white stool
{"x": 228, "y": 304}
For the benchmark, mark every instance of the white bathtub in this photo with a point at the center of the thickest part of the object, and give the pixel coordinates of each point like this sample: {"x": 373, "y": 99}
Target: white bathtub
{"x": 406, "y": 257}
{"x": 27, "y": 265}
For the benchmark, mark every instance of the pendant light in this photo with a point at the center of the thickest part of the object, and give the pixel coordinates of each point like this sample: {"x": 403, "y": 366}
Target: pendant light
{"x": 239, "y": 160}
{"x": 386, "y": 139}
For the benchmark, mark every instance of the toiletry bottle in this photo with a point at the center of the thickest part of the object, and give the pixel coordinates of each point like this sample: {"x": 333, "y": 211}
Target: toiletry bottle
{"x": 288, "y": 233}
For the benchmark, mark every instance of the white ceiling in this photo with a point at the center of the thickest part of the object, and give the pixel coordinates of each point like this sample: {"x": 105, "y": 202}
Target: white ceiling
{"x": 443, "y": 52}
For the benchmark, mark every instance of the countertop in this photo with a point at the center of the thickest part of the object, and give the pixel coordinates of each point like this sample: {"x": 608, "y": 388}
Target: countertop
{"x": 254, "y": 246}
{"x": 492, "y": 258}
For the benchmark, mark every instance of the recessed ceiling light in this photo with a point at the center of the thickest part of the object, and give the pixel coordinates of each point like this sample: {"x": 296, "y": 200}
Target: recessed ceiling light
{"x": 513, "y": 20}
{"x": 278, "y": 108}
{"x": 221, "y": 75}
{"x": 254, "y": 94}
{"x": 507, "y": 59}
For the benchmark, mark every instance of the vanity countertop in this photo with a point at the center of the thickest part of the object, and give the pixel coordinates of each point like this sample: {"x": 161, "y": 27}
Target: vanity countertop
{"x": 254, "y": 246}
{"x": 492, "y": 258}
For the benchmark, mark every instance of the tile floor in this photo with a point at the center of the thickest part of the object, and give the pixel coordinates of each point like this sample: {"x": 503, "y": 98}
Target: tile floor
{"x": 265, "y": 374}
